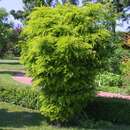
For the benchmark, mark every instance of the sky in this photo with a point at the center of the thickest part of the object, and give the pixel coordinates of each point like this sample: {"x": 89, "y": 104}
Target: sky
{"x": 11, "y": 4}
{"x": 18, "y": 5}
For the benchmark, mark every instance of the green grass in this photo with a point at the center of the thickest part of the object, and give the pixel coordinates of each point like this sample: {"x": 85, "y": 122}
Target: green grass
{"x": 115, "y": 89}
{"x": 14, "y": 117}
{"x": 6, "y": 80}
{"x": 11, "y": 65}
{"x": 124, "y": 89}
{"x": 7, "y": 69}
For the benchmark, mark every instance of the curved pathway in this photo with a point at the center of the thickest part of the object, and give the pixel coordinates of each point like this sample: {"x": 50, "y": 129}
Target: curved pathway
{"x": 20, "y": 77}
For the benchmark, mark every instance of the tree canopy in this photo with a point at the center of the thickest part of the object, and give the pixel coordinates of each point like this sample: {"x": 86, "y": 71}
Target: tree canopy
{"x": 3, "y": 28}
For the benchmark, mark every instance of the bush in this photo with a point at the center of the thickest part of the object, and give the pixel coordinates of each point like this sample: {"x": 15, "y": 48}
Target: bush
{"x": 109, "y": 79}
{"x": 63, "y": 50}
{"x": 109, "y": 109}
{"x": 23, "y": 97}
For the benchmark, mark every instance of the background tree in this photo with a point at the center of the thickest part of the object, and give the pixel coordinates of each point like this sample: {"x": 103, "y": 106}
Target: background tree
{"x": 19, "y": 15}
{"x": 4, "y": 29}
{"x": 30, "y": 4}
{"x": 8, "y": 36}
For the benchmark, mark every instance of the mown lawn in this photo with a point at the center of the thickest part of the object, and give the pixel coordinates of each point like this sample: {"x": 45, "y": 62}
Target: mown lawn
{"x": 14, "y": 117}
{"x": 6, "y": 80}
{"x": 10, "y": 65}
{"x": 9, "y": 68}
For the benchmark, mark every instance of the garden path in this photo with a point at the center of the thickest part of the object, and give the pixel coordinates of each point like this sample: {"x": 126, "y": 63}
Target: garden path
{"x": 112, "y": 95}
{"x": 20, "y": 77}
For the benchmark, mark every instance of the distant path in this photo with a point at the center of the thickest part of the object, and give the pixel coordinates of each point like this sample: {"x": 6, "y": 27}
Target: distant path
{"x": 20, "y": 77}
{"x": 112, "y": 95}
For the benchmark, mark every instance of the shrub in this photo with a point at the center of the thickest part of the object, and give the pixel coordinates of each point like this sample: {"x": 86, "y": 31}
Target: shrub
{"x": 109, "y": 109}
{"x": 63, "y": 50}
{"x": 109, "y": 79}
{"x": 24, "y": 97}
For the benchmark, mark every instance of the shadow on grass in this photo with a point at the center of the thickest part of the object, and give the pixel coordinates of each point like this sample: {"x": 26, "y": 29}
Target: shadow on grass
{"x": 116, "y": 110}
{"x": 20, "y": 119}
{"x": 10, "y": 63}
{"x": 13, "y": 72}
{"x": 106, "y": 114}
{"x": 102, "y": 106}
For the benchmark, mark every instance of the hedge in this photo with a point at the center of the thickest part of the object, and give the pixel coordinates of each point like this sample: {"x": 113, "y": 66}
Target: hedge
{"x": 25, "y": 97}
{"x": 109, "y": 109}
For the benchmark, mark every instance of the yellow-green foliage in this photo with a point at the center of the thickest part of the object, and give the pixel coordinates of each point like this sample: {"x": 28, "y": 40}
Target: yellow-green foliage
{"x": 63, "y": 50}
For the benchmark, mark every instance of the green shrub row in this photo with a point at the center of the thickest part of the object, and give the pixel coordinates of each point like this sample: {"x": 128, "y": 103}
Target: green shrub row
{"x": 25, "y": 97}
{"x": 110, "y": 109}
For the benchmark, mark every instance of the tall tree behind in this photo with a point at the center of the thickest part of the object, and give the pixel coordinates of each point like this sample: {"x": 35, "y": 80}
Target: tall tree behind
{"x": 18, "y": 14}
{"x": 4, "y": 29}
{"x": 8, "y": 36}
{"x": 29, "y": 4}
